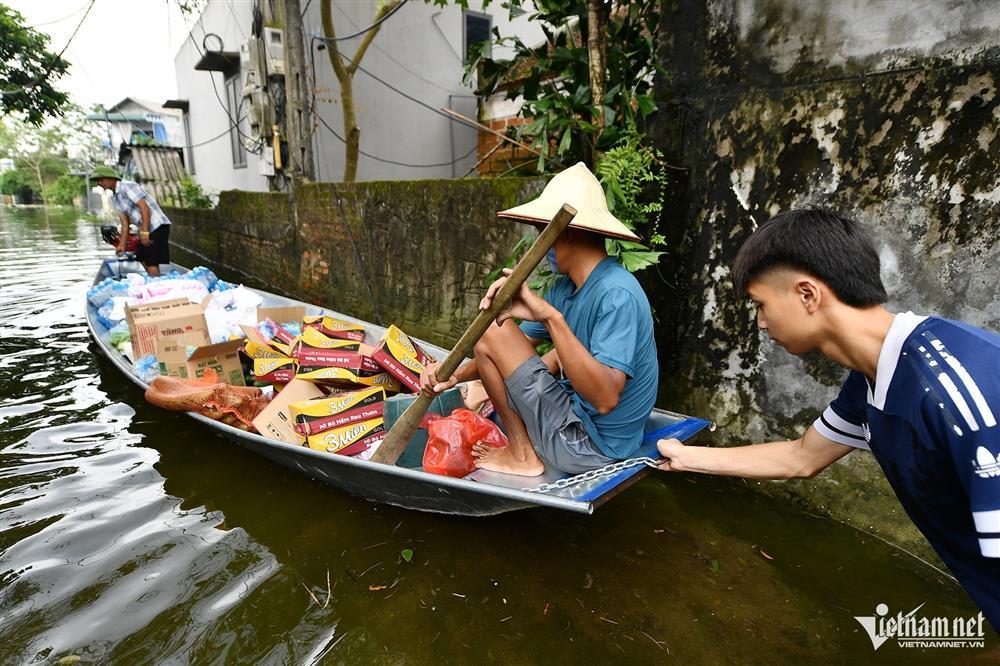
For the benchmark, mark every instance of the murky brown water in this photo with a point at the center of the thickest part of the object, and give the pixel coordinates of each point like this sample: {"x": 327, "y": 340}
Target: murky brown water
{"x": 134, "y": 536}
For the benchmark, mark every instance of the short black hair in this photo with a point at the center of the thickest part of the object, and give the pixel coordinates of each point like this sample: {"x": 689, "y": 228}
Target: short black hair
{"x": 819, "y": 242}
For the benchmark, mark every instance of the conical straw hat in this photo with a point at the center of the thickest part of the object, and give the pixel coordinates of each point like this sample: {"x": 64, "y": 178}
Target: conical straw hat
{"x": 578, "y": 187}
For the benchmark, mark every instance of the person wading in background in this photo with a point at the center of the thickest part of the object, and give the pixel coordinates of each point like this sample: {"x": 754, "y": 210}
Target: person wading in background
{"x": 137, "y": 206}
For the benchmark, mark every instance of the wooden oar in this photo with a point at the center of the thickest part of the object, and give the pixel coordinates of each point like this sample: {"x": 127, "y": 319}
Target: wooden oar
{"x": 405, "y": 427}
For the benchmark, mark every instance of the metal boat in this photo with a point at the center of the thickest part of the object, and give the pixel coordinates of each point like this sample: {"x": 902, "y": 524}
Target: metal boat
{"x": 481, "y": 493}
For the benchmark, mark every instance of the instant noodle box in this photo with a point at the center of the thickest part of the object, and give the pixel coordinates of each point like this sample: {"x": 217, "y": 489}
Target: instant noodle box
{"x": 344, "y": 378}
{"x": 334, "y": 328}
{"x": 320, "y": 415}
{"x": 402, "y": 358}
{"x": 315, "y": 350}
{"x": 274, "y": 370}
{"x": 349, "y": 440}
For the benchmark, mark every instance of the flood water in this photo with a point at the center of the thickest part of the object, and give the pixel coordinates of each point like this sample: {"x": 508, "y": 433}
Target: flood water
{"x": 130, "y": 535}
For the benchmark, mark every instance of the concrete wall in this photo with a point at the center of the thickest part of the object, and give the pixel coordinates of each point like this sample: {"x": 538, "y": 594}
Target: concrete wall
{"x": 419, "y": 51}
{"x": 886, "y": 111}
{"x": 414, "y": 253}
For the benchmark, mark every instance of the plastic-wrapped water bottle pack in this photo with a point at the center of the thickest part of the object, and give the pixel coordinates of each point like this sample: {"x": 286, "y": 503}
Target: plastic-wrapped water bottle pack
{"x": 146, "y": 368}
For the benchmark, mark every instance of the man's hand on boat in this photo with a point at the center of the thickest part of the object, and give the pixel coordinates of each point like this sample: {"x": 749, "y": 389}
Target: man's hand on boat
{"x": 526, "y": 304}
{"x": 429, "y": 383}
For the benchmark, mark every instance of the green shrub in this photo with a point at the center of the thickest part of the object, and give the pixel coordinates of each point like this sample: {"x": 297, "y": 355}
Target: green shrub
{"x": 63, "y": 190}
{"x": 13, "y": 181}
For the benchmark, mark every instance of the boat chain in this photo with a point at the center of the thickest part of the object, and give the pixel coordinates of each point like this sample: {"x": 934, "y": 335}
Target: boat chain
{"x": 590, "y": 475}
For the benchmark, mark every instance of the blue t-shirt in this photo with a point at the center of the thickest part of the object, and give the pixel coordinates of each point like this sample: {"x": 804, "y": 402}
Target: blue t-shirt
{"x": 610, "y": 316}
{"x": 931, "y": 421}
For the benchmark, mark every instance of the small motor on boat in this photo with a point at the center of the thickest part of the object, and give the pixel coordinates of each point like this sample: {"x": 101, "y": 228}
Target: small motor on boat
{"x": 111, "y": 235}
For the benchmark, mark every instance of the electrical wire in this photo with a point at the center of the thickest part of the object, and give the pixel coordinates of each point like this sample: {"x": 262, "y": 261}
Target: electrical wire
{"x": 55, "y": 60}
{"x": 214, "y": 138}
{"x": 389, "y": 56}
{"x": 59, "y": 20}
{"x": 388, "y": 161}
{"x": 374, "y": 25}
{"x": 385, "y": 83}
{"x": 413, "y": 99}
{"x": 233, "y": 124}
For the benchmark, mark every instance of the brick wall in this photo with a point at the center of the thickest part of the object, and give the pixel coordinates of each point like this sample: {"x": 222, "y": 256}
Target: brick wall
{"x": 497, "y": 156}
{"x": 412, "y": 253}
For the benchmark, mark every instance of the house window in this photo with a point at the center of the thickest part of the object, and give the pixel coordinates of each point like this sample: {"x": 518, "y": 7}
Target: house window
{"x": 476, "y": 29}
{"x": 234, "y": 95}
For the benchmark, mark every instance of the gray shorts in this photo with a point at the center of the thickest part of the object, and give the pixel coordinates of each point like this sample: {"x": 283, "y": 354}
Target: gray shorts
{"x": 555, "y": 430}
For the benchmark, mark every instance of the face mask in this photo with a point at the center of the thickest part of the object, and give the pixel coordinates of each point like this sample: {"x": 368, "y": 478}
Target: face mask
{"x": 551, "y": 256}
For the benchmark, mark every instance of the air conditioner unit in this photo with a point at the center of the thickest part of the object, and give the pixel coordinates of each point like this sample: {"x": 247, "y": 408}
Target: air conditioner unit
{"x": 274, "y": 47}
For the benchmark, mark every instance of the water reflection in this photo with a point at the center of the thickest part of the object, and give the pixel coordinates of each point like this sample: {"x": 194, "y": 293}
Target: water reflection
{"x": 133, "y": 535}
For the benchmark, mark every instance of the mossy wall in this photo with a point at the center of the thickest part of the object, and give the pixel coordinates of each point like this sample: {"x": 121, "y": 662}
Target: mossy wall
{"x": 886, "y": 112}
{"x": 411, "y": 253}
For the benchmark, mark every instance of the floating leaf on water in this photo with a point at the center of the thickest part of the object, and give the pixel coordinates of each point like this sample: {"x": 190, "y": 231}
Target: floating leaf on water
{"x": 407, "y": 554}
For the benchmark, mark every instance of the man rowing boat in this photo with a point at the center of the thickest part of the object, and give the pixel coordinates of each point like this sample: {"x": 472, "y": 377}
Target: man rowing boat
{"x": 582, "y": 405}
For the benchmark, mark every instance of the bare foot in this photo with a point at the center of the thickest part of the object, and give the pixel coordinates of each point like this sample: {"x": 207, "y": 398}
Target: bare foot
{"x": 503, "y": 460}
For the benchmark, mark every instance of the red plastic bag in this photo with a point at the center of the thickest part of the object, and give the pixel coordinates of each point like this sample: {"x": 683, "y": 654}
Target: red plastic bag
{"x": 450, "y": 440}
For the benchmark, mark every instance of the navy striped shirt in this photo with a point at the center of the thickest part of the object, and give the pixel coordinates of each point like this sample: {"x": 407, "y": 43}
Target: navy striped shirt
{"x": 931, "y": 421}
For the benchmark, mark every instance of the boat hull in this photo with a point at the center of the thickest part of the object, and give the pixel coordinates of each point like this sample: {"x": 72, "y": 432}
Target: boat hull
{"x": 479, "y": 494}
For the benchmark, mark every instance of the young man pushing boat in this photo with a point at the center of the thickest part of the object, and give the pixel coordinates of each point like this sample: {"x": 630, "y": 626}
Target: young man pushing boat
{"x": 923, "y": 393}
{"x": 584, "y": 404}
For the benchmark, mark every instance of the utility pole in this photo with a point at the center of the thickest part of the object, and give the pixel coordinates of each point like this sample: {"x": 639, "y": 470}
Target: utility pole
{"x": 297, "y": 122}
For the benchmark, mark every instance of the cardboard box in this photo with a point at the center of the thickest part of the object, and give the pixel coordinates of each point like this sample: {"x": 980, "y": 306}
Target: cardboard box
{"x": 315, "y": 350}
{"x": 282, "y": 314}
{"x": 334, "y": 328}
{"x": 349, "y": 440}
{"x": 174, "y": 318}
{"x": 322, "y": 414}
{"x": 221, "y": 360}
{"x": 275, "y": 421}
{"x": 279, "y": 370}
{"x": 402, "y": 358}
{"x": 257, "y": 350}
{"x": 253, "y": 335}
{"x": 348, "y": 379}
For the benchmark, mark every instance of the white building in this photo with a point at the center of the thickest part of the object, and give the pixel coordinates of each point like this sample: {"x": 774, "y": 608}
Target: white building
{"x": 134, "y": 120}
{"x": 413, "y": 67}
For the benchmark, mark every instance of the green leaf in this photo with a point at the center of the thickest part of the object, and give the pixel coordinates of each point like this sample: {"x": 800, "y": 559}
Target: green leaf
{"x": 407, "y": 554}
{"x": 636, "y": 261}
{"x": 567, "y": 138}
{"x": 609, "y": 116}
{"x": 646, "y": 104}
{"x": 714, "y": 566}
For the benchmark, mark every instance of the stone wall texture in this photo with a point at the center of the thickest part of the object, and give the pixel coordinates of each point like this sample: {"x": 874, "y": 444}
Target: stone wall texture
{"x": 412, "y": 253}
{"x": 887, "y": 112}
